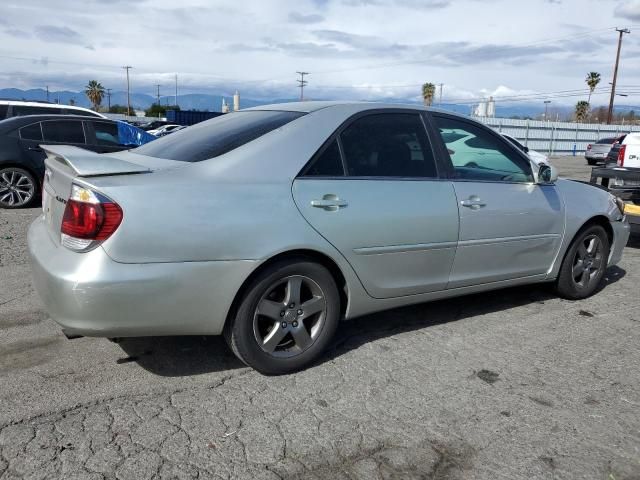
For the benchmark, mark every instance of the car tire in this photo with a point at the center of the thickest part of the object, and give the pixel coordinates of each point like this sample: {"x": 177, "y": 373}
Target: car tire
{"x": 18, "y": 188}
{"x": 584, "y": 264}
{"x": 592, "y": 162}
{"x": 286, "y": 318}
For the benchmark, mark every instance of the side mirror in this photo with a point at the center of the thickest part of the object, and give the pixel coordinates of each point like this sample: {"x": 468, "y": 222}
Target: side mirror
{"x": 547, "y": 174}
{"x": 525, "y": 149}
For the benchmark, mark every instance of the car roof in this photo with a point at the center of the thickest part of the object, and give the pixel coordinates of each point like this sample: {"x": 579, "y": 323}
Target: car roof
{"x": 17, "y": 122}
{"x": 314, "y": 105}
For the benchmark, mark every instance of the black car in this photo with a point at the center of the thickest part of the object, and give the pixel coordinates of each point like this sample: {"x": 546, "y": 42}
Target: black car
{"x": 22, "y": 159}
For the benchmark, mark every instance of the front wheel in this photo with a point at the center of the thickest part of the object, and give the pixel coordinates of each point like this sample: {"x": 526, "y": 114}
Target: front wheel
{"x": 584, "y": 264}
{"x": 18, "y": 188}
{"x": 286, "y": 318}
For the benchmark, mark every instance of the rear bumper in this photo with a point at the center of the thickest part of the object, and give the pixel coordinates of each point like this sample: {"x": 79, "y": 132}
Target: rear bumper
{"x": 90, "y": 294}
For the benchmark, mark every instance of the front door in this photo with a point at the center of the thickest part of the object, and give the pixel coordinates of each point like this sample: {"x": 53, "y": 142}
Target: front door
{"x": 510, "y": 227}
{"x": 373, "y": 192}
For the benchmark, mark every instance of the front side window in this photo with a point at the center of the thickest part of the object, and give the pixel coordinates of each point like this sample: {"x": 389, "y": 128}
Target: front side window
{"x": 388, "y": 145}
{"x": 31, "y": 132}
{"x": 478, "y": 154}
{"x": 63, "y": 131}
{"x": 106, "y": 133}
{"x": 217, "y": 136}
{"x": 4, "y": 111}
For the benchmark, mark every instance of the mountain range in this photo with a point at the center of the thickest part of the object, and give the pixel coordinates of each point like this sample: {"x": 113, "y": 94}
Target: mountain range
{"x": 208, "y": 102}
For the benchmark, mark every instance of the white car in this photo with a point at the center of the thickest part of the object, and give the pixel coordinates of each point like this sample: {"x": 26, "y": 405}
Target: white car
{"x": 537, "y": 157}
{"x": 17, "y": 108}
{"x": 627, "y": 153}
{"x": 165, "y": 130}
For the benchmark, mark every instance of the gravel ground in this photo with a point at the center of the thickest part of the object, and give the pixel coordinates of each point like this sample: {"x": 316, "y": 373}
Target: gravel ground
{"x": 513, "y": 384}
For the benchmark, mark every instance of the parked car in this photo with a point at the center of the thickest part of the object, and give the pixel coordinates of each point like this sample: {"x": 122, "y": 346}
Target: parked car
{"x": 537, "y": 157}
{"x": 271, "y": 224}
{"x": 598, "y": 152}
{"x": 22, "y": 158}
{"x": 165, "y": 130}
{"x": 16, "y": 108}
{"x": 155, "y": 124}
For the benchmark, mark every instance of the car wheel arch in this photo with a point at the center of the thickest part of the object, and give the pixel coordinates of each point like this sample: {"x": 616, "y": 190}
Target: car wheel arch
{"x": 300, "y": 254}
{"x": 14, "y": 164}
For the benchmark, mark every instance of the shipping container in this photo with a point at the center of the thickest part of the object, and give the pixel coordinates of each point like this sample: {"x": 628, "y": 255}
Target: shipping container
{"x": 185, "y": 117}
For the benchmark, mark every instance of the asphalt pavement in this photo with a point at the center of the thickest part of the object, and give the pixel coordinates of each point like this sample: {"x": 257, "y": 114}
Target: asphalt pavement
{"x": 513, "y": 384}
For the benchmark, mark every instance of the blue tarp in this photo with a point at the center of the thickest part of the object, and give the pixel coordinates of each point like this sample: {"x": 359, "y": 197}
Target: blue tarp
{"x": 130, "y": 135}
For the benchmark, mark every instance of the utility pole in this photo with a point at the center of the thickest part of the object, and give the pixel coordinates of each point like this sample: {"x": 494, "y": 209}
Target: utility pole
{"x": 47, "y": 93}
{"x": 158, "y": 94}
{"x": 127, "y": 67}
{"x": 441, "y": 85}
{"x": 621, "y": 31}
{"x": 176, "y": 104}
{"x": 301, "y": 84}
{"x": 108, "y": 99}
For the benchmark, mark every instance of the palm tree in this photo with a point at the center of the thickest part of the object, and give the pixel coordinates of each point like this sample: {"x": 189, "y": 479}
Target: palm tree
{"x": 95, "y": 91}
{"x": 582, "y": 110}
{"x": 593, "y": 79}
{"x": 428, "y": 92}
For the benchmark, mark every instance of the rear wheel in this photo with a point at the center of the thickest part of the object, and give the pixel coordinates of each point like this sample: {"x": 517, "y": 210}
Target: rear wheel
{"x": 18, "y": 188}
{"x": 584, "y": 264}
{"x": 286, "y": 318}
{"x": 592, "y": 162}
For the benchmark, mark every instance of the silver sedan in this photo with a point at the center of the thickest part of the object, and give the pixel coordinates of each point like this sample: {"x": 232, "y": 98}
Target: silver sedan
{"x": 270, "y": 225}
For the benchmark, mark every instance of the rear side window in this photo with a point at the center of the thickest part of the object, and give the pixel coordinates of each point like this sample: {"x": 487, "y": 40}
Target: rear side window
{"x": 328, "y": 163}
{"x": 63, "y": 131}
{"x": 84, "y": 113}
{"x": 388, "y": 145}
{"x": 20, "y": 110}
{"x": 106, "y": 133}
{"x": 31, "y": 132}
{"x": 217, "y": 136}
{"x": 4, "y": 109}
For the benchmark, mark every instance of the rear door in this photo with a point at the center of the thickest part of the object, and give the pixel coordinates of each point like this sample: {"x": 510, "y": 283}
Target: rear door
{"x": 373, "y": 192}
{"x": 66, "y": 132}
{"x": 510, "y": 227}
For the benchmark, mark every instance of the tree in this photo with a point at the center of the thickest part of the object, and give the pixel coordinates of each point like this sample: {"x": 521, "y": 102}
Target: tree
{"x": 122, "y": 109}
{"x": 593, "y": 79}
{"x": 157, "y": 110}
{"x": 582, "y": 110}
{"x": 428, "y": 92}
{"x": 95, "y": 92}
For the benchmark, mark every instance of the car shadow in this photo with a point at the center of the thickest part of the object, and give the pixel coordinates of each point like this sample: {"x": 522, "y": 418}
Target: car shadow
{"x": 179, "y": 356}
{"x": 634, "y": 240}
{"x": 196, "y": 355}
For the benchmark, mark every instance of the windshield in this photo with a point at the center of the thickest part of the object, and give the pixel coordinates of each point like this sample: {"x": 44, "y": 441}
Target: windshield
{"x": 217, "y": 136}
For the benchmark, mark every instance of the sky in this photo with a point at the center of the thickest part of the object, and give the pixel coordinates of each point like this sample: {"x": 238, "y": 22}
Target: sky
{"x": 353, "y": 49}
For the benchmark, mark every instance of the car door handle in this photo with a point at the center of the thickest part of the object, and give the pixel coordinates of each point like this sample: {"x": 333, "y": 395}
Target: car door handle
{"x": 473, "y": 202}
{"x": 329, "y": 202}
{"x": 35, "y": 149}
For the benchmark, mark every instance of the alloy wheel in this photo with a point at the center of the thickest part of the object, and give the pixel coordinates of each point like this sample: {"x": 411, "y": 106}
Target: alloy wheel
{"x": 588, "y": 261}
{"x": 16, "y": 188}
{"x": 289, "y": 316}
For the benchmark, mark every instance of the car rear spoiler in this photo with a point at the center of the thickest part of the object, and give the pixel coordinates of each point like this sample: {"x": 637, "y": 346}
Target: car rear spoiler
{"x": 86, "y": 163}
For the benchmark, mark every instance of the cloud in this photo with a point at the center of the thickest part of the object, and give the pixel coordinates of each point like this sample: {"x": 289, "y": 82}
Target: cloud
{"x": 422, "y": 4}
{"x": 17, "y": 33}
{"x": 51, "y": 33}
{"x": 628, "y": 10}
{"x": 297, "y": 17}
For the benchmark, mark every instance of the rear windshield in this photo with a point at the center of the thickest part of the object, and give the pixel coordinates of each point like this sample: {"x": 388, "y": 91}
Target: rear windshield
{"x": 607, "y": 140}
{"x": 216, "y": 136}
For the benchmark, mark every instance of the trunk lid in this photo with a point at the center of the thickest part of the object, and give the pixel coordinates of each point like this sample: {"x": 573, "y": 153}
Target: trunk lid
{"x": 66, "y": 165}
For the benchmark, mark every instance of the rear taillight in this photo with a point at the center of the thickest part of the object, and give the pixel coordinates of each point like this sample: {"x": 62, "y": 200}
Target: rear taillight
{"x": 588, "y": 147}
{"x": 621, "y": 152}
{"x": 89, "y": 219}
